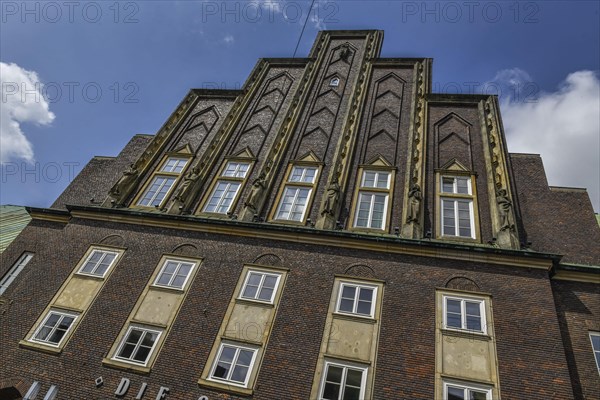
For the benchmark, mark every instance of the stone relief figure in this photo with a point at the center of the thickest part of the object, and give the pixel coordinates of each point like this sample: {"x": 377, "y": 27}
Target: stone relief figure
{"x": 504, "y": 207}
{"x": 414, "y": 209}
{"x": 126, "y": 181}
{"x": 258, "y": 186}
{"x": 333, "y": 196}
{"x": 188, "y": 182}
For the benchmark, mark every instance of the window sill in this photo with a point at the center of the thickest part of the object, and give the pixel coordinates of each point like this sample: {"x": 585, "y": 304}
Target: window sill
{"x": 463, "y": 333}
{"x": 40, "y": 347}
{"x": 354, "y": 317}
{"x": 257, "y": 303}
{"x": 224, "y": 386}
{"x": 124, "y": 366}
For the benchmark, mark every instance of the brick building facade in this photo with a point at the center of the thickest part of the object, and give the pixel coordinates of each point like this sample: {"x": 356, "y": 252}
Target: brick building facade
{"x": 333, "y": 230}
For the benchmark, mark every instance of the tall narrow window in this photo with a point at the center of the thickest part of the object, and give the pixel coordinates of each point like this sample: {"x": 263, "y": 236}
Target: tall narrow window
{"x": 372, "y": 200}
{"x": 297, "y": 192}
{"x": 457, "y": 212}
{"x": 162, "y": 182}
{"x": 595, "y": 338}
{"x": 227, "y": 187}
{"x": 14, "y": 271}
{"x": 342, "y": 382}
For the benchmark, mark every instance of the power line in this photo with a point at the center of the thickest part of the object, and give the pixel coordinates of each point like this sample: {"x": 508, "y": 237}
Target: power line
{"x": 303, "y": 27}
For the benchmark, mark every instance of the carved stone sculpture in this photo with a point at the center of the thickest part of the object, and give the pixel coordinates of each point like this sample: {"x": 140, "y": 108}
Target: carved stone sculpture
{"x": 125, "y": 183}
{"x": 415, "y": 198}
{"x": 333, "y": 196}
{"x": 258, "y": 186}
{"x": 504, "y": 207}
{"x": 188, "y": 182}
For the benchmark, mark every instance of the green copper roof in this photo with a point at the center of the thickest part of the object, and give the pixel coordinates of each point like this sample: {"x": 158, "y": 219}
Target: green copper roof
{"x": 12, "y": 221}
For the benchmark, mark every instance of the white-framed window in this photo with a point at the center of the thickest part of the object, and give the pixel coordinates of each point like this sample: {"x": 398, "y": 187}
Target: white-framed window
{"x": 459, "y": 391}
{"x": 456, "y": 202}
{"x": 296, "y": 193}
{"x": 356, "y": 299}
{"x": 162, "y": 182}
{"x": 174, "y": 273}
{"x": 464, "y": 313}
{"x": 54, "y": 327}
{"x": 343, "y": 382}
{"x": 260, "y": 286}
{"x": 595, "y": 339}
{"x": 137, "y": 345}
{"x": 98, "y": 263}
{"x": 372, "y": 200}
{"x": 233, "y": 364}
{"x": 227, "y": 187}
{"x": 14, "y": 271}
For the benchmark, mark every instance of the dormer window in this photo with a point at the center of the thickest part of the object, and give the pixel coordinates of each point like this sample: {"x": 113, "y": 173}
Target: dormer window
{"x": 457, "y": 204}
{"x": 372, "y": 199}
{"x": 162, "y": 182}
{"x": 226, "y": 189}
{"x": 295, "y": 197}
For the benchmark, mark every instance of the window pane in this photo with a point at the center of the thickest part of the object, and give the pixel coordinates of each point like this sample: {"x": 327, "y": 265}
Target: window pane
{"x": 239, "y": 373}
{"x": 126, "y": 350}
{"x": 164, "y": 278}
{"x": 473, "y": 323}
{"x": 364, "y": 307}
{"x": 309, "y": 175}
{"x": 349, "y": 292}
{"x": 250, "y": 291}
{"x": 331, "y": 391}
{"x": 134, "y": 336}
{"x": 43, "y": 333}
{"x": 221, "y": 370}
{"x": 347, "y": 305}
{"x": 149, "y": 339}
{"x": 453, "y": 320}
{"x": 453, "y": 305}
{"x": 245, "y": 357}
{"x": 351, "y": 393}
{"x": 477, "y": 395}
{"x": 142, "y": 354}
{"x": 382, "y": 180}
{"x": 448, "y": 185}
{"x": 456, "y": 393}
{"x": 368, "y": 179}
{"x": 270, "y": 281}
{"x": 366, "y": 294}
{"x": 595, "y": 342}
{"x": 227, "y": 354}
{"x": 265, "y": 294}
{"x": 354, "y": 377}
{"x": 334, "y": 374}
{"x": 462, "y": 185}
{"x": 296, "y": 175}
{"x": 473, "y": 308}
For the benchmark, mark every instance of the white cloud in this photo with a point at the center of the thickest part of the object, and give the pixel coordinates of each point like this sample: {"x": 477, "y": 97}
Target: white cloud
{"x": 563, "y": 126}
{"x": 22, "y": 102}
{"x": 228, "y": 39}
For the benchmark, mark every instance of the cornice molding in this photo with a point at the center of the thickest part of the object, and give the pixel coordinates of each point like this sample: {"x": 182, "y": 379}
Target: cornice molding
{"x": 299, "y": 234}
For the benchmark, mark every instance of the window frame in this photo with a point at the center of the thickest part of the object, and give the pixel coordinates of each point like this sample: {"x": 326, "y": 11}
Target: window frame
{"x": 131, "y": 327}
{"x": 362, "y": 190}
{"x": 219, "y": 178}
{"x": 359, "y": 286}
{"x": 455, "y": 197}
{"x": 67, "y": 333}
{"x": 594, "y": 350}
{"x": 287, "y": 183}
{"x": 466, "y": 387}
{"x": 15, "y": 270}
{"x": 345, "y": 366}
{"x": 238, "y": 347}
{"x": 88, "y": 256}
{"x": 463, "y": 314}
{"x": 264, "y": 274}
{"x": 158, "y": 172}
{"x": 180, "y": 261}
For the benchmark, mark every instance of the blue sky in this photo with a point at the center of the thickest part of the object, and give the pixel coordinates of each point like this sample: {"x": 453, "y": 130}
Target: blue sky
{"x": 113, "y": 69}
